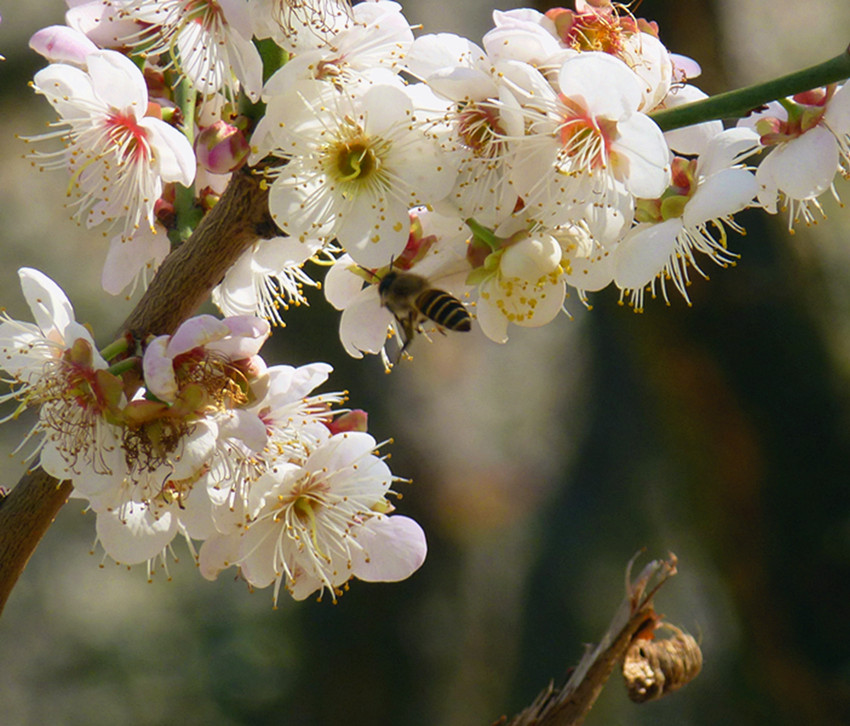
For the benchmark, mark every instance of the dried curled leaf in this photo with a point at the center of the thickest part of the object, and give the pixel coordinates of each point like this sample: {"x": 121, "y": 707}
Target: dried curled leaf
{"x": 654, "y": 668}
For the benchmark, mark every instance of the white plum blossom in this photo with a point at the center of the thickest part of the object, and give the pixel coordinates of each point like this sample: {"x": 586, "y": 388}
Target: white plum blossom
{"x": 524, "y": 35}
{"x": 316, "y": 525}
{"x": 102, "y": 22}
{"x": 268, "y": 277}
{"x": 118, "y": 156}
{"x": 588, "y": 263}
{"x": 130, "y": 261}
{"x": 377, "y": 36}
{"x": 587, "y": 139}
{"x": 546, "y": 40}
{"x": 690, "y": 139}
{"x": 55, "y": 367}
{"x": 296, "y": 422}
{"x": 155, "y": 498}
{"x": 356, "y": 164}
{"x": 209, "y": 41}
{"x": 520, "y": 284}
{"x": 808, "y": 138}
{"x": 299, "y": 26}
{"x": 27, "y": 347}
{"x": 435, "y": 250}
{"x": 707, "y": 191}
{"x": 484, "y": 117}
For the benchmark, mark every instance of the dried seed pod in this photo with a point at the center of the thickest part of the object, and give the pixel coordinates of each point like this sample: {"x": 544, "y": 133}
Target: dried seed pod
{"x": 654, "y": 668}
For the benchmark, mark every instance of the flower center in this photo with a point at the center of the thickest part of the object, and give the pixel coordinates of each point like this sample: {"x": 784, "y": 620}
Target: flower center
{"x": 595, "y": 31}
{"x": 355, "y": 160}
{"x": 128, "y": 138}
{"x": 206, "y": 12}
{"x": 585, "y": 141}
{"x": 597, "y": 27}
{"x": 479, "y": 129}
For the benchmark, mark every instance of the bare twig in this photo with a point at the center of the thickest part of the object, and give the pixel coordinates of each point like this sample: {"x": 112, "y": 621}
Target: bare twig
{"x": 569, "y": 705}
{"x": 181, "y": 284}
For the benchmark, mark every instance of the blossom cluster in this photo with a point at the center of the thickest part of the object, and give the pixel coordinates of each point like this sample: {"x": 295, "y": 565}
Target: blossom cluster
{"x": 193, "y": 434}
{"x": 506, "y": 174}
{"x": 439, "y": 181}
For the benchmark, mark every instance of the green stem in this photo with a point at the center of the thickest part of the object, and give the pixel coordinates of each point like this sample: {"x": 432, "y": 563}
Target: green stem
{"x": 737, "y": 104}
{"x": 128, "y": 364}
{"x": 188, "y": 215}
{"x": 487, "y": 236}
{"x": 115, "y": 348}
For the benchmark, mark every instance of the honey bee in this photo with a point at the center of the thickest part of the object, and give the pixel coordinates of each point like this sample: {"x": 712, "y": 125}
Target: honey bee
{"x": 411, "y": 299}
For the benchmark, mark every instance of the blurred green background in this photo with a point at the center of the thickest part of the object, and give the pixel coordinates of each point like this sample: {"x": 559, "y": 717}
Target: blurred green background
{"x": 718, "y": 432}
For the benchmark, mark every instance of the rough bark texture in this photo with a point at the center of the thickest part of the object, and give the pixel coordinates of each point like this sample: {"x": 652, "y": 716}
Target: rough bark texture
{"x": 181, "y": 284}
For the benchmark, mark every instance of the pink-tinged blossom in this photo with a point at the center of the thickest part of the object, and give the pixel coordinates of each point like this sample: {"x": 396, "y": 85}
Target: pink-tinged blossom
{"x": 587, "y": 141}
{"x": 808, "y": 137}
{"x": 55, "y": 367}
{"x": 188, "y": 441}
{"x": 61, "y": 44}
{"x": 200, "y": 342}
{"x": 221, "y": 148}
{"x": 118, "y": 157}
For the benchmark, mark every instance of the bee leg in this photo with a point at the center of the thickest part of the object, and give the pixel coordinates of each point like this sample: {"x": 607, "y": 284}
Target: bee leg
{"x": 408, "y": 330}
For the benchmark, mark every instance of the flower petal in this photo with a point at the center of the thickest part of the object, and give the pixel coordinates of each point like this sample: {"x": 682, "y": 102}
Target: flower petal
{"x": 391, "y": 549}
{"x": 135, "y": 535}
{"x": 50, "y": 306}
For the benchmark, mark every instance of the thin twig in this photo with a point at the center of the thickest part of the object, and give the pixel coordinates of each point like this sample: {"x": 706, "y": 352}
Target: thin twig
{"x": 569, "y": 705}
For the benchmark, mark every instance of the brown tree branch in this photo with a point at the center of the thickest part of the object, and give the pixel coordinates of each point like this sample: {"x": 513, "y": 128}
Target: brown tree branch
{"x": 569, "y": 705}
{"x": 182, "y": 283}
{"x": 24, "y": 518}
{"x": 187, "y": 275}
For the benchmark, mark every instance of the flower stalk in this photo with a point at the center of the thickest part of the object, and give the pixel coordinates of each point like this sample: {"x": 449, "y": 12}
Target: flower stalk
{"x": 188, "y": 214}
{"x": 737, "y": 104}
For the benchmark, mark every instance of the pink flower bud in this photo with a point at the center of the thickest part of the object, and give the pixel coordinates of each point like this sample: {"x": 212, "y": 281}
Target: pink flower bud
{"x": 61, "y": 44}
{"x": 355, "y": 420}
{"x": 221, "y": 148}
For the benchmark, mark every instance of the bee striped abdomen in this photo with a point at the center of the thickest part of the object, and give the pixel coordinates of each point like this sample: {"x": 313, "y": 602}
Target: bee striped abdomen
{"x": 444, "y": 309}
